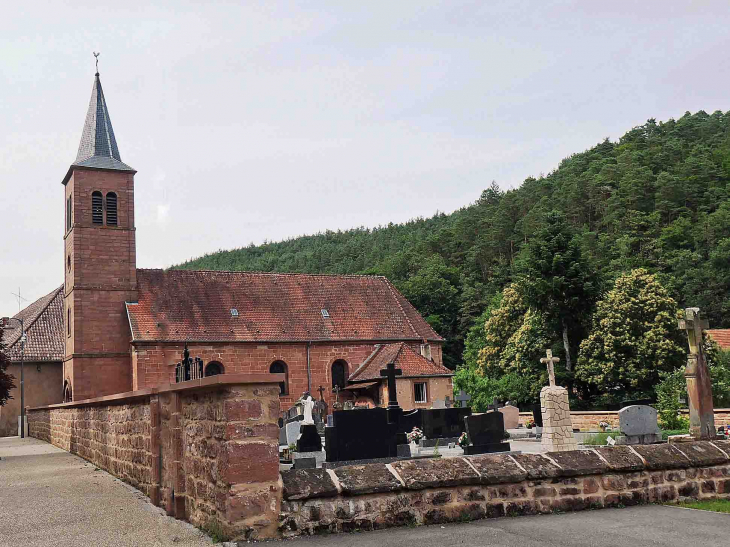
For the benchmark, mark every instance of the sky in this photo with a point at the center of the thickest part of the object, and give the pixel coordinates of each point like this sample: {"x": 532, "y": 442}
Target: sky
{"x": 260, "y": 121}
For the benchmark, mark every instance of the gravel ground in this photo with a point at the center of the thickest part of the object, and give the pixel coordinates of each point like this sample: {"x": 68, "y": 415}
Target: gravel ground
{"x": 49, "y": 497}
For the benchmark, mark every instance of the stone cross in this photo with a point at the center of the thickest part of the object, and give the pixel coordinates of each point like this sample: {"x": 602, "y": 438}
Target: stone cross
{"x": 390, "y": 373}
{"x": 550, "y": 361}
{"x": 699, "y": 383}
{"x": 321, "y": 393}
{"x": 463, "y": 398}
{"x": 336, "y": 391}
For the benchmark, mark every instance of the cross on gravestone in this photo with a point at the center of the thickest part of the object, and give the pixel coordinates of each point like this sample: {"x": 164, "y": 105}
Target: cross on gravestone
{"x": 495, "y": 405}
{"x": 550, "y": 361}
{"x": 321, "y": 393}
{"x": 699, "y": 383}
{"x": 463, "y": 398}
{"x": 390, "y": 373}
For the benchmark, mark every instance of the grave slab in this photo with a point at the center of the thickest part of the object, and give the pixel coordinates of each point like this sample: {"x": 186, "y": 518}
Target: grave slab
{"x": 638, "y": 420}
{"x": 485, "y": 433}
{"x": 309, "y": 439}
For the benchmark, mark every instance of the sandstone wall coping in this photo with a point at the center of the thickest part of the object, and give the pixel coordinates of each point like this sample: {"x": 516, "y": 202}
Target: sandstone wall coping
{"x": 494, "y": 469}
{"x": 210, "y": 382}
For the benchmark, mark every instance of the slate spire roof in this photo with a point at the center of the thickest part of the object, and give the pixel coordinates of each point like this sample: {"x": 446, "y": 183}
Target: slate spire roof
{"x": 98, "y": 147}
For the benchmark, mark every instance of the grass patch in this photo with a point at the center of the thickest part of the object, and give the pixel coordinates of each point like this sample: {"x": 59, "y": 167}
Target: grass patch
{"x": 600, "y": 439}
{"x": 214, "y": 529}
{"x": 718, "y": 506}
{"x": 666, "y": 433}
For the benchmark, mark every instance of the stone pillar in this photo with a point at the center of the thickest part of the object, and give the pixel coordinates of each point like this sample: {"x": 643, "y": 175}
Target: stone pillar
{"x": 697, "y": 374}
{"x": 557, "y": 432}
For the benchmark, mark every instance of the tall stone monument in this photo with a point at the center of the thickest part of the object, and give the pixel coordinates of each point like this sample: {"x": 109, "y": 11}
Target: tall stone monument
{"x": 699, "y": 383}
{"x": 557, "y": 432}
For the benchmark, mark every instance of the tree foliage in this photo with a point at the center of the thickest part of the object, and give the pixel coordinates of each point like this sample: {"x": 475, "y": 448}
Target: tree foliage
{"x": 658, "y": 199}
{"x": 6, "y": 380}
{"x": 634, "y": 338}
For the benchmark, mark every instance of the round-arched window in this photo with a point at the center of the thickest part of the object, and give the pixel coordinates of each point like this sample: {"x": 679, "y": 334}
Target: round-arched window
{"x": 339, "y": 373}
{"x": 213, "y": 368}
{"x": 279, "y": 367}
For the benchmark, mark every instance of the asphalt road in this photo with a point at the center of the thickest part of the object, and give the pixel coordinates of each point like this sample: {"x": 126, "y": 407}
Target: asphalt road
{"x": 49, "y": 497}
{"x": 646, "y": 526}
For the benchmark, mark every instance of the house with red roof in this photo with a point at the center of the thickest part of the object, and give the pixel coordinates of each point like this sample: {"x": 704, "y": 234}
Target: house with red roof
{"x": 117, "y": 328}
{"x": 721, "y": 337}
{"x": 42, "y": 355}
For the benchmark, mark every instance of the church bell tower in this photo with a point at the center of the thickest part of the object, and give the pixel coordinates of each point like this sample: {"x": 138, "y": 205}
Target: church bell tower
{"x": 99, "y": 260}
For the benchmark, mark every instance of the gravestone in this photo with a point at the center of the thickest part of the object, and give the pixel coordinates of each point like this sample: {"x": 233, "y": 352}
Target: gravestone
{"x": 360, "y": 435}
{"x": 282, "y": 437}
{"x": 309, "y": 439}
{"x": 557, "y": 433}
{"x": 463, "y": 399}
{"x": 496, "y": 405}
{"x": 485, "y": 433}
{"x": 638, "y": 424}
{"x": 448, "y": 403}
{"x": 292, "y": 431}
{"x": 511, "y": 416}
{"x": 445, "y": 423}
{"x": 438, "y": 404}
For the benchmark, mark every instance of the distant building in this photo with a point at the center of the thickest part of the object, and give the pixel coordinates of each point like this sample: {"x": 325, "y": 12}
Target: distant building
{"x": 721, "y": 337}
{"x": 120, "y": 328}
{"x": 44, "y": 350}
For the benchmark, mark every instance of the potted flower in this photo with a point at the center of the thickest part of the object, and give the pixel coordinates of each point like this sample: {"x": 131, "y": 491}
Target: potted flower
{"x": 414, "y": 437}
{"x": 530, "y": 424}
{"x": 604, "y": 425}
{"x": 463, "y": 441}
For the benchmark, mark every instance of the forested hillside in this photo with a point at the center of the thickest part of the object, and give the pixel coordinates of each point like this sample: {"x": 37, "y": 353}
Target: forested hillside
{"x": 657, "y": 199}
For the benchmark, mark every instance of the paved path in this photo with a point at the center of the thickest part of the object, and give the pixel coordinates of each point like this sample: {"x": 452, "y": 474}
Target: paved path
{"x": 647, "y": 526}
{"x": 49, "y": 497}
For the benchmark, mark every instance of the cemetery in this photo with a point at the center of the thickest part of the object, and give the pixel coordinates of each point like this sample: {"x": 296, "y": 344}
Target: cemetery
{"x": 205, "y": 449}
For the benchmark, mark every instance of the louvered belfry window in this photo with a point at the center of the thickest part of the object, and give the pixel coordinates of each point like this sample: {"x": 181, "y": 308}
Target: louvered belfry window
{"x": 111, "y": 209}
{"x": 97, "y": 208}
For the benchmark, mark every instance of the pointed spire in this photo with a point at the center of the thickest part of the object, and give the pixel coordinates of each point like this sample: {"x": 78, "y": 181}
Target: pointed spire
{"x": 98, "y": 147}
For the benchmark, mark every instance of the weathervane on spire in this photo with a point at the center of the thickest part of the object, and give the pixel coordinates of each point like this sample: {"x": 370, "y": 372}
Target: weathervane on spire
{"x": 96, "y": 55}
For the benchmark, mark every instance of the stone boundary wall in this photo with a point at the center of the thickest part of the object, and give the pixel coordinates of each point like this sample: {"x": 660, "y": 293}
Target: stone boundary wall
{"x": 205, "y": 450}
{"x": 589, "y": 420}
{"x": 432, "y": 491}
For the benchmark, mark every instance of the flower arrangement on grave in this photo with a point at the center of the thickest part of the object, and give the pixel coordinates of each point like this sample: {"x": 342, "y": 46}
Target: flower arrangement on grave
{"x": 463, "y": 441}
{"x": 604, "y": 425}
{"x": 415, "y": 435}
{"x": 531, "y": 424}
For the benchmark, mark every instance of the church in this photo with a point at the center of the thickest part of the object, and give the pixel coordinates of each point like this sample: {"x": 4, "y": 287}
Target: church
{"x": 113, "y": 327}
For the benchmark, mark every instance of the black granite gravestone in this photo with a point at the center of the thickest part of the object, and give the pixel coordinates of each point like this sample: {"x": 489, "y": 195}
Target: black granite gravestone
{"x": 360, "y": 434}
{"x": 537, "y": 414}
{"x": 443, "y": 423}
{"x": 485, "y": 433}
{"x": 309, "y": 439}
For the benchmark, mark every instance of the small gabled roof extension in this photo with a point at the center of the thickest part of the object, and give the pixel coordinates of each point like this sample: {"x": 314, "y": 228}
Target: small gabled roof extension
{"x": 405, "y": 358}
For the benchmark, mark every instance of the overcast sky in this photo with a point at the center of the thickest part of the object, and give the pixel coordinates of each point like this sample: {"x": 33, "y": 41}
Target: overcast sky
{"x": 267, "y": 120}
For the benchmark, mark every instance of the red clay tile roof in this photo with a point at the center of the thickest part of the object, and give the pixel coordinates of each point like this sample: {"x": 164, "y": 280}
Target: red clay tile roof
{"x": 404, "y": 357}
{"x": 178, "y": 305}
{"x": 721, "y": 336}
{"x": 44, "y": 330}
